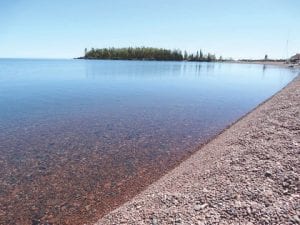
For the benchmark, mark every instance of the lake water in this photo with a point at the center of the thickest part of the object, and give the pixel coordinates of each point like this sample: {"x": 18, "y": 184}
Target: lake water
{"x": 78, "y": 137}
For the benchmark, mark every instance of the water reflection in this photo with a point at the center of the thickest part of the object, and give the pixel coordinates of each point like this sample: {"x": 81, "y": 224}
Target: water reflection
{"x": 131, "y": 69}
{"x": 146, "y": 69}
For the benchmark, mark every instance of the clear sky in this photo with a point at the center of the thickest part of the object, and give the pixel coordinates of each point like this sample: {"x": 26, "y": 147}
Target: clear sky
{"x": 232, "y": 28}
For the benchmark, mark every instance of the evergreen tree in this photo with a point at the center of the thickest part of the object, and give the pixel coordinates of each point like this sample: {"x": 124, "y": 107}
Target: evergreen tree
{"x": 201, "y": 58}
{"x": 185, "y": 55}
{"x": 209, "y": 57}
{"x": 197, "y": 56}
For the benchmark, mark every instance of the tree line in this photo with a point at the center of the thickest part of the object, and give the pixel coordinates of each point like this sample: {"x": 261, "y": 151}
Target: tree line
{"x": 146, "y": 53}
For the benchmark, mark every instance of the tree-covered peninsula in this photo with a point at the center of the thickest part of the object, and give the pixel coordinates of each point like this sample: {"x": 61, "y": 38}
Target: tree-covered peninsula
{"x": 146, "y": 53}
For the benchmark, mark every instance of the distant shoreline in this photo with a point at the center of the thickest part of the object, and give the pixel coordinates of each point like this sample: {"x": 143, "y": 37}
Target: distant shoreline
{"x": 154, "y": 60}
{"x": 281, "y": 63}
{"x": 115, "y": 59}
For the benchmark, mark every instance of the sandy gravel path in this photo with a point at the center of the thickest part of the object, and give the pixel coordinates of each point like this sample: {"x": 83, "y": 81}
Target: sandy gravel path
{"x": 249, "y": 174}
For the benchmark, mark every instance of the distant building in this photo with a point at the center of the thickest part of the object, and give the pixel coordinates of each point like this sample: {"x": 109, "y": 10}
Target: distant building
{"x": 295, "y": 58}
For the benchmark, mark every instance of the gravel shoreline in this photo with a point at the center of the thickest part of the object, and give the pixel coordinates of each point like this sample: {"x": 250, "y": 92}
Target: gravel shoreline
{"x": 249, "y": 174}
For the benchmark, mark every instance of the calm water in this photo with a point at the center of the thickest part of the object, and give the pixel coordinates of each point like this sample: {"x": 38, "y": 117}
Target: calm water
{"x": 79, "y": 137}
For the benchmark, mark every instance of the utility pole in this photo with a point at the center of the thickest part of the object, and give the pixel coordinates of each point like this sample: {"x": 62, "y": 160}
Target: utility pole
{"x": 287, "y": 49}
{"x": 287, "y": 46}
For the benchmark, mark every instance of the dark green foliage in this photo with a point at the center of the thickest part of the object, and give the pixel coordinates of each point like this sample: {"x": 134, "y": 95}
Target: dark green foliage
{"x": 145, "y": 53}
{"x": 201, "y": 55}
{"x": 210, "y": 57}
{"x": 142, "y": 53}
{"x": 197, "y": 56}
{"x": 185, "y": 57}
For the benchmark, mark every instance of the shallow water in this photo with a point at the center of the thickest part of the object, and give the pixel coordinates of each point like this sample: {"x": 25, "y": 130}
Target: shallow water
{"x": 80, "y": 137}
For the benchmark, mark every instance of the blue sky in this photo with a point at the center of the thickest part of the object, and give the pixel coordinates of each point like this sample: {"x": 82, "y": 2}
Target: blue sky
{"x": 232, "y": 28}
